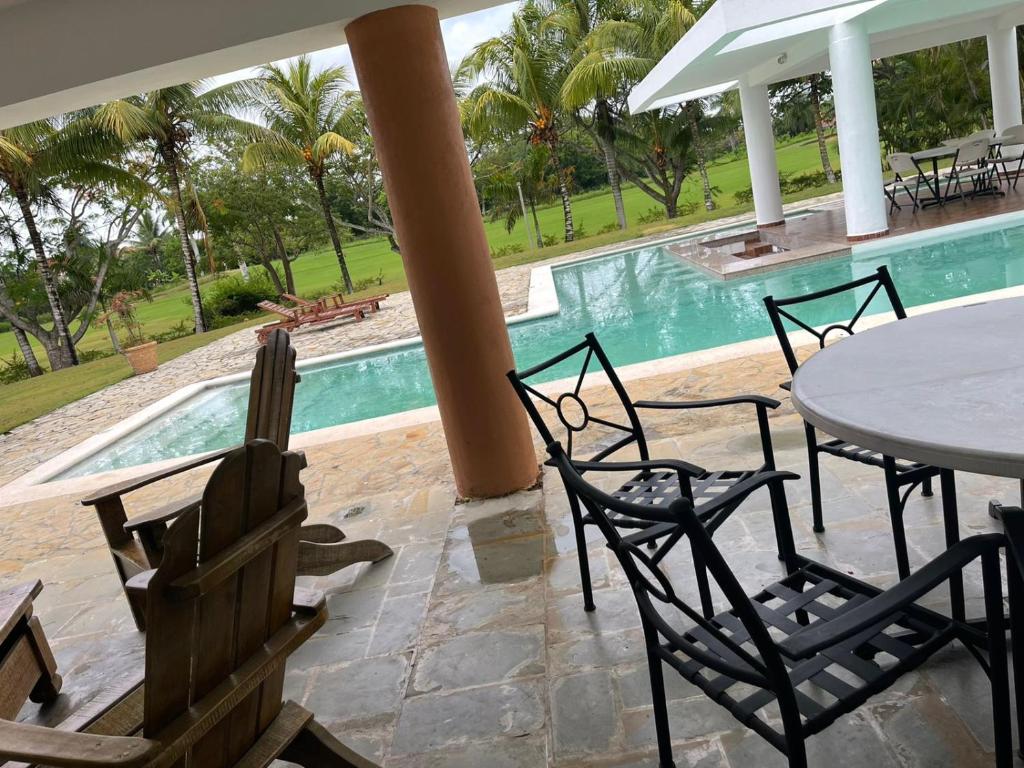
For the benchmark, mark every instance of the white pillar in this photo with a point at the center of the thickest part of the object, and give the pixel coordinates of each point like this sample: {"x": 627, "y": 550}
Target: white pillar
{"x": 764, "y": 170}
{"x": 1004, "y": 77}
{"x": 853, "y": 92}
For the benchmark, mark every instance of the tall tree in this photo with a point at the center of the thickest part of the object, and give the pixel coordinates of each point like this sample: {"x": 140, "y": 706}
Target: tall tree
{"x": 167, "y": 121}
{"x": 597, "y": 79}
{"x": 302, "y": 108}
{"x": 652, "y": 149}
{"x": 35, "y": 160}
{"x": 520, "y": 79}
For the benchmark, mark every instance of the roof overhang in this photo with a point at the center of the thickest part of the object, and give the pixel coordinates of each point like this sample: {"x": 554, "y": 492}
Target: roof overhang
{"x": 60, "y": 55}
{"x": 762, "y": 42}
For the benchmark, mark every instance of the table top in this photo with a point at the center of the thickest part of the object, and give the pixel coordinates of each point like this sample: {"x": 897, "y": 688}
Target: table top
{"x": 945, "y": 388}
{"x": 946, "y": 150}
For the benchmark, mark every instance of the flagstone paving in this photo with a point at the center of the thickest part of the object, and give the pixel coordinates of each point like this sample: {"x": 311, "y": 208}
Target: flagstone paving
{"x": 470, "y": 646}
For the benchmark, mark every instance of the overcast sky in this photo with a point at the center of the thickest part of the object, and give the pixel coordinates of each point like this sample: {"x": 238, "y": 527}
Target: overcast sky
{"x": 460, "y": 35}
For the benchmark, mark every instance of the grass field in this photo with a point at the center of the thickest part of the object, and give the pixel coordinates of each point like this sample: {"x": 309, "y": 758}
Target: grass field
{"x": 317, "y": 270}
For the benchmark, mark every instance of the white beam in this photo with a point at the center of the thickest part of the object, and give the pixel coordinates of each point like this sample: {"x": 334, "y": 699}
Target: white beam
{"x": 764, "y": 170}
{"x": 853, "y": 92}
{"x": 1005, "y": 78}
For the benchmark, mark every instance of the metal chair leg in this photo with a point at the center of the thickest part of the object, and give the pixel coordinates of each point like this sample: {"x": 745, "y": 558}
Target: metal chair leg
{"x": 951, "y": 523}
{"x": 661, "y": 725}
{"x": 581, "y": 554}
{"x": 815, "y": 478}
{"x": 899, "y": 534}
{"x": 1015, "y": 592}
{"x": 999, "y": 675}
{"x": 926, "y": 488}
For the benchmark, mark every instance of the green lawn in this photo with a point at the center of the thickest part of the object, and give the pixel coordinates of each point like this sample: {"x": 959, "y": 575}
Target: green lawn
{"x": 317, "y": 270}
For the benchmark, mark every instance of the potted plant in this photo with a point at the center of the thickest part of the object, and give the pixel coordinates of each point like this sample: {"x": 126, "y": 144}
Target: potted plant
{"x": 141, "y": 353}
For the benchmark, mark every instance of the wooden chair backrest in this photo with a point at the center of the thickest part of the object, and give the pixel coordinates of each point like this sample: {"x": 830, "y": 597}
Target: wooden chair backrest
{"x": 218, "y": 605}
{"x": 272, "y": 391}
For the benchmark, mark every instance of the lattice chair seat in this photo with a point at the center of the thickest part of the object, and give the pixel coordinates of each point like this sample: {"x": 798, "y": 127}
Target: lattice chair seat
{"x": 660, "y": 489}
{"x": 845, "y": 450}
{"x": 831, "y": 683}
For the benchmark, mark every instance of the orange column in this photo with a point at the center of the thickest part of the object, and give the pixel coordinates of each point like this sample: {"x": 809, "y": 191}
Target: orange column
{"x": 414, "y": 118}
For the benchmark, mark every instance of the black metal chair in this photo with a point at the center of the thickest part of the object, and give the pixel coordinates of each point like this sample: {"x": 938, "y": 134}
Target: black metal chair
{"x": 791, "y": 659}
{"x": 657, "y": 481}
{"x": 901, "y": 477}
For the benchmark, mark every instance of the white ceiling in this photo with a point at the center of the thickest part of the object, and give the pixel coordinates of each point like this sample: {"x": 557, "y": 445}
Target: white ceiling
{"x": 59, "y": 55}
{"x": 767, "y": 42}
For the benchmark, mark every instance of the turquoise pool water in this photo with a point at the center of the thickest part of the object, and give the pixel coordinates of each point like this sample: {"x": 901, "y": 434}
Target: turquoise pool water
{"x": 643, "y": 305}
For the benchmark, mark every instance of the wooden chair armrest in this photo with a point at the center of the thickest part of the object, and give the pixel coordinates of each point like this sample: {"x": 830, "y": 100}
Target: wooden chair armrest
{"x": 67, "y": 749}
{"x": 164, "y": 514}
{"x": 120, "y": 489}
{"x": 16, "y": 603}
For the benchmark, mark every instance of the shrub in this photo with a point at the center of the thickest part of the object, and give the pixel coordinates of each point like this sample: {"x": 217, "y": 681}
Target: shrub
{"x": 233, "y": 296}
{"x": 744, "y": 196}
{"x": 608, "y": 228}
{"x": 90, "y": 355}
{"x": 652, "y": 215}
{"x": 579, "y": 233}
{"x": 550, "y": 240}
{"x": 182, "y": 329}
{"x": 13, "y": 368}
{"x": 507, "y": 250}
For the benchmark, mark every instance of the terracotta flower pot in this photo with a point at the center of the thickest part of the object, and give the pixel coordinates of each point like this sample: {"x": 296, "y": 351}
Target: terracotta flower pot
{"x": 142, "y": 358}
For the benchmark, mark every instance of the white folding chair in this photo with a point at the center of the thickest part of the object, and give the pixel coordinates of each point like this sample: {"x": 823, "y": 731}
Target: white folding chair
{"x": 970, "y": 164}
{"x": 907, "y": 173}
{"x": 1011, "y": 153}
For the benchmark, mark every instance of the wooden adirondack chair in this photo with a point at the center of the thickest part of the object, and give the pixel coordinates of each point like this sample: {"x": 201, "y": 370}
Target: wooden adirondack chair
{"x": 137, "y": 544}
{"x": 27, "y": 667}
{"x": 224, "y": 615}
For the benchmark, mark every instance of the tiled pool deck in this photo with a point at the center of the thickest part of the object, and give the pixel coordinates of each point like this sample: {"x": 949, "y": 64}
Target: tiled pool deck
{"x": 470, "y": 647}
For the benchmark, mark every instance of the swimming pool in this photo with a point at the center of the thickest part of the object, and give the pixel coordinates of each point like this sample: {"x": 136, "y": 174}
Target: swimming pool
{"x": 644, "y": 305}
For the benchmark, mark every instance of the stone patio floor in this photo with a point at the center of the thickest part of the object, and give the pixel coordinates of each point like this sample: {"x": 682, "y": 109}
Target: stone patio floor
{"x": 470, "y": 647}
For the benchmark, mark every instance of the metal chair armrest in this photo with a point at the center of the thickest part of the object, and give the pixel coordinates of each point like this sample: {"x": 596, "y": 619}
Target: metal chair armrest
{"x": 685, "y": 468}
{"x": 881, "y": 608}
{"x": 761, "y": 400}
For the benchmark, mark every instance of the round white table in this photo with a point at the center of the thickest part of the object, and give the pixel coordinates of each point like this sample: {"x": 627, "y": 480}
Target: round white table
{"x": 945, "y": 389}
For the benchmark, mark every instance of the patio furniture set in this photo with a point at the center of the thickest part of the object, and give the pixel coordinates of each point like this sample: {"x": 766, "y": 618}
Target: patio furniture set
{"x": 979, "y": 164}
{"x": 793, "y": 658}
{"x": 217, "y": 572}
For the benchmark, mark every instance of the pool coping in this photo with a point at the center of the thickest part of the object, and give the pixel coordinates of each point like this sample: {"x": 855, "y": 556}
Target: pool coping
{"x": 542, "y": 302}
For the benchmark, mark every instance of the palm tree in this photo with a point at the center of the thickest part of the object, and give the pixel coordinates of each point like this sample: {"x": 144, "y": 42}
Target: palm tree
{"x": 166, "y": 121}
{"x": 302, "y": 109}
{"x": 620, "y": 50}
{"x": 34, "y": 159}
{"x": 597, "y": 78}
{"x": 520, "y": 75}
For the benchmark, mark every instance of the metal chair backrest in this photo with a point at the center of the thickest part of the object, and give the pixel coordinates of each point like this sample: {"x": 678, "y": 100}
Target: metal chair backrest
{"x": 903, "y": 165}
{"x": 570, "y": 415}
{"x": 219, "y": 608}
{"x": 1012, "y": 136}
{"x": 272, "y": 391}
{"x": 661, "y": 606}
{"x": 880, "y": 281}
{"x": 971, "y": 152}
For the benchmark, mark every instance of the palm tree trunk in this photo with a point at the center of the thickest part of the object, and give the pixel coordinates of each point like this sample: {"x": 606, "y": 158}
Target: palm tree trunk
{"x": 536, "y": 222}
{"x": 34, "y": 369}
{"x": 66, "y": 355}
{"x": 606, "y": 137}
{"x": 335, "y": 240}
{"x": 819, "y": 129}
{"x": 170, "y": 159}
{"x": 286, "y": 263}
{"x": 698, "y": 151}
